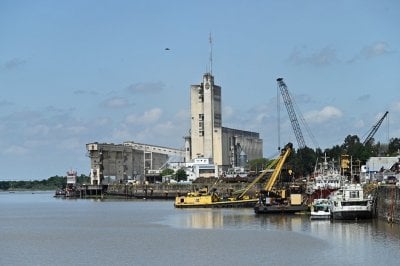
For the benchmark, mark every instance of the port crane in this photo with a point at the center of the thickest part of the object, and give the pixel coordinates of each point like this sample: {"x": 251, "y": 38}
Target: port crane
{"x": 268, "y": 169}
{"x": 281, "y": 160}
{"x": 374, "y": 129}
{"x": 276, "y": 201}
{"x": 208, "y": 198}
{"x": 292, "y": 114}
{"x": 278, "y": 164}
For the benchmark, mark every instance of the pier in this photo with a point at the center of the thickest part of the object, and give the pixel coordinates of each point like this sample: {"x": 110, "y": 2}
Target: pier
{"x": 150, "y": 191}
{"x": 388, "y": 203}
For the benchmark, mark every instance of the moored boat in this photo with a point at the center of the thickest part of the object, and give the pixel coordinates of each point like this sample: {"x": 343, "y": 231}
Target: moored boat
{"x": 349, "y": 203}
{"x": 205, "y": 199}
{"x": 326, "y": 179}
{"x": 320, "y": 209}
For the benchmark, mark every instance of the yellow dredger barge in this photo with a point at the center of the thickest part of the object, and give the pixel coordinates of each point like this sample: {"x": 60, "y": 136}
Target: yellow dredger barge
{"x": 210, "y": 199}
{"x": 203, "y": 199}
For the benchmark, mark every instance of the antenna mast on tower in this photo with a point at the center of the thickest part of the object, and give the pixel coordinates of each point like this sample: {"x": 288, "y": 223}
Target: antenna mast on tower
{"x": 210, "y": 40}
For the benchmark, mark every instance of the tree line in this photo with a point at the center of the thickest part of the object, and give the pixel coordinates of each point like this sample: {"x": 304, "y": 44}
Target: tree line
{"x": 51, "y": 183}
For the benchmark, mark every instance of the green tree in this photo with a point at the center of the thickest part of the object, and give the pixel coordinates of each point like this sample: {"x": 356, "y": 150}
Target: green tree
{"x": 304, "y": 162}
{"x": 257, "y": 165}
{"x": 180, "y": 175}
{"x": 394, "y": 146}
{"x": 83, "y": 179}
{"x": 167, "y": 171}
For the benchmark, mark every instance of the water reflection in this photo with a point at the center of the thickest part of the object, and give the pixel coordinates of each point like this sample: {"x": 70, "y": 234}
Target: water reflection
{"x": 209, "y": 220}
{"x": 348, "y": 234}
{"x": 284, "y": 222}
{"x": 238, "y": 219}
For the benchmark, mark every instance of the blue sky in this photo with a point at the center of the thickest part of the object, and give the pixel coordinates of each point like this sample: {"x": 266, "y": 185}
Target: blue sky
{"x": 75, "y": 72}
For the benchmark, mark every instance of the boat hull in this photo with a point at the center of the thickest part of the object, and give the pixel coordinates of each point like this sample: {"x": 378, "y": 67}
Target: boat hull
{"x": 320, "y": 215}
{"x": 218, "y": 204}
{"x": 352, "y": 215}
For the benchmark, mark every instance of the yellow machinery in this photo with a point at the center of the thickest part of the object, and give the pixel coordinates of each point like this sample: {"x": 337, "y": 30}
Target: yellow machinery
{"x": 258, "y": 178}
{"x": 276, "y": 201}
{"x": 205, "y": 198}
{"x": 281, "y": 160}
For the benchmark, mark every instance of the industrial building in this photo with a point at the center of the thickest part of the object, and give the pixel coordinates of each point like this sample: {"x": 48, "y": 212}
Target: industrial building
{"x": 111, "y": 163}
{"x": 224, "y": 148}
{"x": 228, "y": 148}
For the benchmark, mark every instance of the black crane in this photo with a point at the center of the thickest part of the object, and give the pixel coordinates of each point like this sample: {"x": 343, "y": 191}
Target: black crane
{"x": 374, "y": 129}
{"x": 292, "y": 114}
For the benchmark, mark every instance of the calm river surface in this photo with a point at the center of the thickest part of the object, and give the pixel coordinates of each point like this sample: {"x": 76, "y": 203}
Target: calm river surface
{"x": 37, "y": 229}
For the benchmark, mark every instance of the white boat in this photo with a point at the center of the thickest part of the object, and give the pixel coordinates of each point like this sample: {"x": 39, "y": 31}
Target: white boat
{"x": 349, "y": 203}
{"x": 325, "y": 180}
{"x": 320, "y": 209}
{"x": 236, "y": 172}
{"x": 327, "y": 176}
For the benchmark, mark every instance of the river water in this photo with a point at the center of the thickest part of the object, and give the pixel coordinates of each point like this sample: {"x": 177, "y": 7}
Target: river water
{"x": 37, "y": 229}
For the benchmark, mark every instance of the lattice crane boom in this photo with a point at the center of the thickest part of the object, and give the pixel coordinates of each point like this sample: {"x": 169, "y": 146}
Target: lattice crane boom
{"x": 292, "y": 114}
{"x": 374, "y": 129}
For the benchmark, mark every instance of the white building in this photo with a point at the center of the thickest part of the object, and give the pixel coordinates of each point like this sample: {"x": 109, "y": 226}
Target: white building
{"x": 379, "y": 168}
{"x": 225, "y": 146}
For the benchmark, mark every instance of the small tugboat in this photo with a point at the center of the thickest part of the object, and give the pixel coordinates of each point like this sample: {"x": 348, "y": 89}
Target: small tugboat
{"x": 70, "y": 189}
{"x": 320, "y": 209}
{"x": 349, "y": 203}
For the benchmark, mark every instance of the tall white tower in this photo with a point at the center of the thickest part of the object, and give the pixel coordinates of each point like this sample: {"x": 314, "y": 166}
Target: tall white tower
{"x": 206, "y": 120}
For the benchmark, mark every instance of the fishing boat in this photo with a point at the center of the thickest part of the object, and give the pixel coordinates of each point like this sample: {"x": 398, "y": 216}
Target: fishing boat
{"x": 349, "y": 203}
{"x": 320, "y": 209}
{"x": 326, "y": 179}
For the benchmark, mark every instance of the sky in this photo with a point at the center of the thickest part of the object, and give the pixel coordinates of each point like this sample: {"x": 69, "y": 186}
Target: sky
{"x": 81, "y": 71}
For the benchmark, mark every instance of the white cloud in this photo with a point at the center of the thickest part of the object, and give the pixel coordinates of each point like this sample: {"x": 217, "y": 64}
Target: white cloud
{"x": 5, "y": 103}
{"x": 121, "y": 135}
{"x": 371, "y": 51}
{"x": 148, "y": 117}
{"x": 39, "y": 143}
{"x": 327, "y": 113}
{"x": 396, "y": 107}
{"x": 101, "y": 121}
{"x": 83, "y": 92}
{"x": 359, "y": 124}
{"x": 75, "y": 130}
{"x": 15, "y": 150}
{"x": 182, "y": 115}
{"x": 376, "y": 49}
{"x": 41, "y": 130}
{"x": 364, "y": 97}
{"x": 70, "y": 144}
{"x": 323, "y": 57}
{"x": 227, "y": 112}
{"x": 116, "y": 102}
{"x": 14, "y": 63}
{"x": 145, "y": 88}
